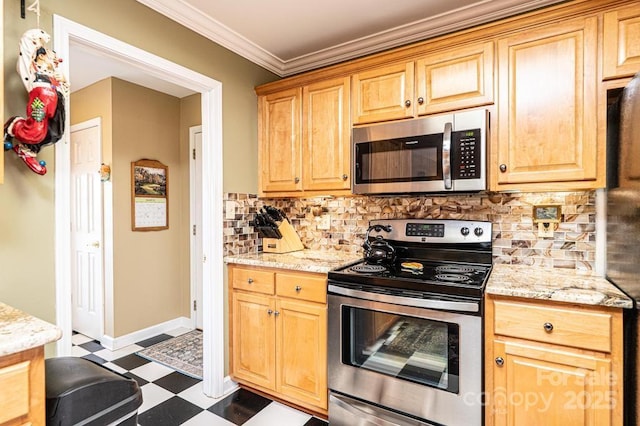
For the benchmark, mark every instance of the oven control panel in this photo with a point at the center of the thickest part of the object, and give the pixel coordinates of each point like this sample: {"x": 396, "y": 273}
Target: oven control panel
{"x": 447, "y": 231}
{"x": 425, "y": 229}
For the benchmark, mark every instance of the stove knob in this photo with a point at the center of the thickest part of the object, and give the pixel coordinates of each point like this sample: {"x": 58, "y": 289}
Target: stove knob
{"x": 478, "y": 232}
{"x": 464, "y": 231}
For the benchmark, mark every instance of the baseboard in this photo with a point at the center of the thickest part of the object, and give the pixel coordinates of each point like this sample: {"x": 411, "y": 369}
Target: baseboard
{"x": 229, "y": 386}
{"x": 115, "y": 343}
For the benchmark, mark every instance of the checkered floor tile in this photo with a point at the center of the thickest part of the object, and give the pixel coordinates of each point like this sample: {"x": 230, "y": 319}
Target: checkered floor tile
{"x": 171, "y": 398}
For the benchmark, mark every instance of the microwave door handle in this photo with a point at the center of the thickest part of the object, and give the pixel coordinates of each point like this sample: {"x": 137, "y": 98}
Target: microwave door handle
{"x": 446, "y": 156}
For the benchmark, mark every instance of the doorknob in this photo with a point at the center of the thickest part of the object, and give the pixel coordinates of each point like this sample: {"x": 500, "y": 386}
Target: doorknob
{"x": 95, "y": 244}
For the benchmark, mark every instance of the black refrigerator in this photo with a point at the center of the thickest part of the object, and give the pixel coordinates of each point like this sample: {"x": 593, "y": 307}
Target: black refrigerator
{"x": 623, "y": 224}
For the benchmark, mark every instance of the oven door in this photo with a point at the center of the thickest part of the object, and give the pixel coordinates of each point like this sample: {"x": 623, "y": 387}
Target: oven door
{"x": 423, "y": 362}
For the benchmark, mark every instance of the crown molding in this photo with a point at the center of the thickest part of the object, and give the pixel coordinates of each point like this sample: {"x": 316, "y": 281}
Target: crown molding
{"x": 462, "y": 18}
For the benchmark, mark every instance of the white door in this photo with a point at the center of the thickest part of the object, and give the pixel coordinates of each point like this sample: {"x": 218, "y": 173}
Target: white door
{"x": 195, "y": 169}
{"x": 86, "y": 230}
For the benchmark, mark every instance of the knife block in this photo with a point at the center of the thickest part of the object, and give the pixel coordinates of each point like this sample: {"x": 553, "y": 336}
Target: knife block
{"x": 288, "y": 243}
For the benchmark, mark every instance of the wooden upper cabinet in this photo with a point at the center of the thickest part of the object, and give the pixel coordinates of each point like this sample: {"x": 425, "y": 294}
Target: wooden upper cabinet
{"x": 279, "y": 120}
{"x": 304, "y": 139}
{"x": 455, "y": 79}
{"x": 547, "y": 110}
{"x": 450, "y": 79}
{"x": 621, "y": 42}
{"x": 325, "y": 135}
{"x": 383, "y": 94}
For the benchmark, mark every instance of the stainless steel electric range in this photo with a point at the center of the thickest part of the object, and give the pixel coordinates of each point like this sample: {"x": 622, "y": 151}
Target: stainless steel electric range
{"x": 405, "y": 325}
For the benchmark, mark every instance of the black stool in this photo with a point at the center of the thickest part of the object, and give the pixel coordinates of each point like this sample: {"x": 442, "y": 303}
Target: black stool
{"x": 81, "y": 392}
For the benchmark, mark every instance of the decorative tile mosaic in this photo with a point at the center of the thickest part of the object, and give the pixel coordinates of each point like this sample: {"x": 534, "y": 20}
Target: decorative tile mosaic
{"x": 515, "y": 236}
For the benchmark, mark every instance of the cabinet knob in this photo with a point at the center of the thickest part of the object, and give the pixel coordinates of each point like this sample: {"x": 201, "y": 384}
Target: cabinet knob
{"x": 298, "y": 288}
{"x": 548, "y": 327}
{"x": 420, "y": 100}
{"x": 500, "y": 361}
{"x": 503, "y": 168}
{"x": 276, "y": 313}
{"x": 297, "y": 179}
{"x": 407, "y": 103}
{"x": 269, "y": 312}
{"x": 345, "y": 177}
{"x": 250, "y": 280}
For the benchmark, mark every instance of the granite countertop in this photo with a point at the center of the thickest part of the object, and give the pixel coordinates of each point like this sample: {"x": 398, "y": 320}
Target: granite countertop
{"x": 20, "y": 331}
{"x": 555, "y": 284}
{"x": 321, "y": 261}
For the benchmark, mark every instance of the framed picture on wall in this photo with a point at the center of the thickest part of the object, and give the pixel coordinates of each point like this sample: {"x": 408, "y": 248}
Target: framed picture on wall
{"x": 149, "y": 195}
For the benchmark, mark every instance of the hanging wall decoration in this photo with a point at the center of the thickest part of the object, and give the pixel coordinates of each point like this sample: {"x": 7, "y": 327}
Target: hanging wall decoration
{"x": 48, "y": 88}
{"x": 149, "y": 195}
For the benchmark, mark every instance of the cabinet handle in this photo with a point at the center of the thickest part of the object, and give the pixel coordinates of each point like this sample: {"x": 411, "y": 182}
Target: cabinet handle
{"x": 250, "y": 280}
{"x": 269, "y": 312}
{"x": 420, "y": 100}
{"x": 298, "y": 288}
{"x": 500, "y": 361}
{"x": 548, "y": 327}
{"x": 276, "y": 313}
{"x": 297, "y": 179}
{"x": 407, "y": 103}
{"x": 503, "y": 168}
{"x": 345, "y": 177}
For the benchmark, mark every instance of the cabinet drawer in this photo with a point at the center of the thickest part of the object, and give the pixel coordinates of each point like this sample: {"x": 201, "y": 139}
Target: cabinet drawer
{"x": 302, "y": 287}
{"x": 253, "y": 280}
{"x": 574, "y": 327}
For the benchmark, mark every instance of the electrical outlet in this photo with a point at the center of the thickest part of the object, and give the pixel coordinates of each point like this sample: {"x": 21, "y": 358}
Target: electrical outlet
{"x": 325, "y": 222}
{"x": 230, "y": 210}
{"x": 545, "y": 229}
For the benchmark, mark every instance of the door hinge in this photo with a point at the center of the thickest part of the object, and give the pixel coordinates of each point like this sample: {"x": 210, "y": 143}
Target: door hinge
{"x": 193, "y": 153}
{"x": 195, "y": 305}
{"x": 194, "y": 230}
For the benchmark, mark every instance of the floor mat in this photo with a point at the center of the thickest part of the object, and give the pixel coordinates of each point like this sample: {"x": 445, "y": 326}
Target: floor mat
{"x": 182, "y": 353}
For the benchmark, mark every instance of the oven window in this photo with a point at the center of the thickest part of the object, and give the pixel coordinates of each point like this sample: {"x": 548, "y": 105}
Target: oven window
{"x": 415, "y": 349}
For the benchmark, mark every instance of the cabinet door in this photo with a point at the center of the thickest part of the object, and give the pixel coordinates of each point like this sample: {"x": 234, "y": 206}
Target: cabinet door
{"x": 280, "y": 141}
{"x": 302, "y": 352}
{"x": 326, "y": 141}
{"x": 22, "y": 389}
{"x": 384, "y": 93}
{"x": 253, "y": 348}
{"x": 455, "y": 79}
{"x": 547, "y": 106}
{"x": 536, "y": 386}
{"x": 621, "y": 42}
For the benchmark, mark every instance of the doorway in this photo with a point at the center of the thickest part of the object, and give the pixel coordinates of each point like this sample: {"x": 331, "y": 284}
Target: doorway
{"x": 67, "y": 32}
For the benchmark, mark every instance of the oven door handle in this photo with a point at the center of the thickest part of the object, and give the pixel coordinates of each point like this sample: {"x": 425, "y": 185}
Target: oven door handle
{"x": 446, "y": 156}
{"x": 445, "y": 305}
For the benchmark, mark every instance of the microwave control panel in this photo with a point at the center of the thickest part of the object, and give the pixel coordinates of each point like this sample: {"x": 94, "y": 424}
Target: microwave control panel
{"x": 466, "y": 154}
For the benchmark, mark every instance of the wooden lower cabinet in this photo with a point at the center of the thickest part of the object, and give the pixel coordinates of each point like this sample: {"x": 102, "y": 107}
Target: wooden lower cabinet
{"x": 22, "y": 390}
{"x": 278, "y": 336}
{"x": 542, "y": 370}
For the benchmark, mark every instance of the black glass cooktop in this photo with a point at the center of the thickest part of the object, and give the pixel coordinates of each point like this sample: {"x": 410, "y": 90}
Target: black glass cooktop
{"x": 413, "y": 274}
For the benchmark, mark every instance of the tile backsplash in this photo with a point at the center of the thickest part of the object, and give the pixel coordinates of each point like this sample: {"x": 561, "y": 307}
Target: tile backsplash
{"x": 515, "y": 236}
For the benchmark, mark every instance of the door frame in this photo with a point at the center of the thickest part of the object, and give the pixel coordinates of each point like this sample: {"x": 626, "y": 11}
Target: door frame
{"x": 66, "y": 32}
{"x": 107, "y": 227}
{"x": 195, "y": 199}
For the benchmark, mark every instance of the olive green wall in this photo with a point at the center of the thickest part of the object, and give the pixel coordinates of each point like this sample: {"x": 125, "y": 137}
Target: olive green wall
{"x": 27, "y": 200}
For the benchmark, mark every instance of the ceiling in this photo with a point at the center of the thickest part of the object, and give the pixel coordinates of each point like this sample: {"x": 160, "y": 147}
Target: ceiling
{"x": 287, "y": 37}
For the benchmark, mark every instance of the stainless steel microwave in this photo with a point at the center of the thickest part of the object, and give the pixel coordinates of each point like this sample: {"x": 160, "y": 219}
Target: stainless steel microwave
{"x": 440, "y": 153}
